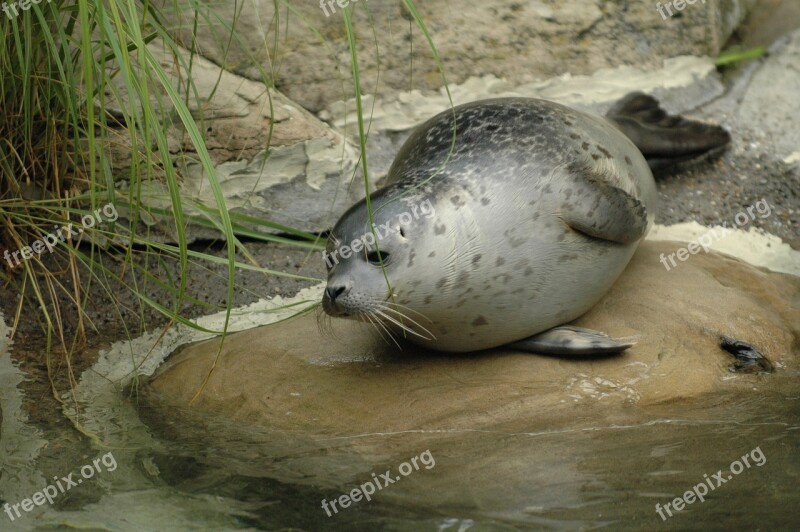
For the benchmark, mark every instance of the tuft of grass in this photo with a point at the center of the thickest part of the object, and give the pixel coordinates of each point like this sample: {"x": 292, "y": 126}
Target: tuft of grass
{"x": 77, "y": 76}
{"x": 73, "y": 75}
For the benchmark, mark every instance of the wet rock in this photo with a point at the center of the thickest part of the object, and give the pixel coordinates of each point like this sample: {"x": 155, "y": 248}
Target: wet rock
{"x": 356, "y": 401}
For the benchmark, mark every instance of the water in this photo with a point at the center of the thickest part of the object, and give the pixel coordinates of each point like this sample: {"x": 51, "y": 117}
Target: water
{"x": 589, "y": 473}
{"x": 592, "y": 461}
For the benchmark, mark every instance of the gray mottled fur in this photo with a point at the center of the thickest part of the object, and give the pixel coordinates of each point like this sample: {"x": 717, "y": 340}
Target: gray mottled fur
{"x": 537, "y": 212}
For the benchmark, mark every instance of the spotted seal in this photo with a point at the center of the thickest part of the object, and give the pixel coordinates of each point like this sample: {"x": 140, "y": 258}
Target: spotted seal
{"x": 537, "y": 209}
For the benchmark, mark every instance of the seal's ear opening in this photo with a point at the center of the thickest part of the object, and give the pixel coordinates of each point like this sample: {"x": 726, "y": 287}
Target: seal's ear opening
{"x": 665, "y": 140}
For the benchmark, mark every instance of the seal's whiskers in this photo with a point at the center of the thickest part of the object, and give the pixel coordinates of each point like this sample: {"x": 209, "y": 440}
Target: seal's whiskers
{"x": 413, "y": 321}
{"x": 376, "y": 323}
{"x": 324, "y": 323}
{"x": 407, "y": 308}
{"x": 382, "y": 311}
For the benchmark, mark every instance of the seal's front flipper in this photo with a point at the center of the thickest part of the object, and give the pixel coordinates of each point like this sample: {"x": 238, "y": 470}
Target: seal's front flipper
{"x": 569, "y": 340}
{"x": 612, "y": 215}
{"x": 663, "y": 139}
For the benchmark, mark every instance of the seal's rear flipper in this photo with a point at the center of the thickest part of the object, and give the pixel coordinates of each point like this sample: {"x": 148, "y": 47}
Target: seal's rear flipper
{"x": 569, "y": 340}
{"x": 665, "y": 140}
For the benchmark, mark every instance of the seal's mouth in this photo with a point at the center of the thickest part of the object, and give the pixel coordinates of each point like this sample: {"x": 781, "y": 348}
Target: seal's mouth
{"x": 333, "y": 309}
{"x": 337, "y": 302}
{"x": 388, "y": 320}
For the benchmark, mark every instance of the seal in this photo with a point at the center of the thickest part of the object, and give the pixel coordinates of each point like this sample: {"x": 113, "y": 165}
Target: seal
{"x": 530, "y": 212}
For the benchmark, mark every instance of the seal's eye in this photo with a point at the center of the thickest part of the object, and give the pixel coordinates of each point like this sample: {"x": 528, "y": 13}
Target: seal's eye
{"x": 373, "y": 257}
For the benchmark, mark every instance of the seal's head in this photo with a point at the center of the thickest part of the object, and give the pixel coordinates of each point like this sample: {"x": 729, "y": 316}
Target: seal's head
{"x": 361, "y": 258}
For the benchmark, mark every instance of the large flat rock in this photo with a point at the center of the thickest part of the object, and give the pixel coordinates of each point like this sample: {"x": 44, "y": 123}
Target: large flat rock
{"x": 290, "y": 376}
{"x": 516, "y": 437}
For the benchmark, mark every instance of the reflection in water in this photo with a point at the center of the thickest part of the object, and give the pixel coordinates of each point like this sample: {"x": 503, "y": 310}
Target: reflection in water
{"x": 588, "y": 473}
{"x": 607, "y": 465}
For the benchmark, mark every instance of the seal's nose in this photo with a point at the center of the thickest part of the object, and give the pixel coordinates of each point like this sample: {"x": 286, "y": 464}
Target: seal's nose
{"x": 334, "y": 292}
